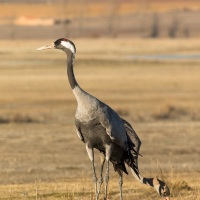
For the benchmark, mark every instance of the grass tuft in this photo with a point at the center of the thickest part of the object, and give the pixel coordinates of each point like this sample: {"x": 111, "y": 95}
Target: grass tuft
{"x": 181, "y": 185}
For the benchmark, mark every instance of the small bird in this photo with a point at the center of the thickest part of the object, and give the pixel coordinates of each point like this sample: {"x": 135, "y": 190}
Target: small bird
{"x": 101, "y": 128}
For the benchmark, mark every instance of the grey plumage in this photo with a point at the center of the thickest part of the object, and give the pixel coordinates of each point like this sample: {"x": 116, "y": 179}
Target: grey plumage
{"x": 100, "y": 127}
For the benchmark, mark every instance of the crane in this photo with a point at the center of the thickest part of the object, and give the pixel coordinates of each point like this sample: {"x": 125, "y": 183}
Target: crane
{"x": 101, "y": 128}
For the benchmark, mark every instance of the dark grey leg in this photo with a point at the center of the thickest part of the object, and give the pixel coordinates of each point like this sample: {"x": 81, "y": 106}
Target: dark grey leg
{"x": 106, "y": 179}
{"x": 101, "y": 175}
{"x": 90, "y": 152}
{"x": 94, "y": 179}
{"x": 120, "y": 184}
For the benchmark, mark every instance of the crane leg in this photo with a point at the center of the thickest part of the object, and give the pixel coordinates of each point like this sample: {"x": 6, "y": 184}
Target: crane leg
{"x": 120, "y": 184}
{"x": 106, "y": 178}
{"x": 101, "y": 174}
{"x": 94, "y": 180}
{"x": 90, "y": 152}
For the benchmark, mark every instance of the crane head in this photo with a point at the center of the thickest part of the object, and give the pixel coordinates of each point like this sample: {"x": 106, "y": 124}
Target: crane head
{"x": 166, "y": 193}
{"x": 62, "y": 44}
{"x": 162, "y": 189}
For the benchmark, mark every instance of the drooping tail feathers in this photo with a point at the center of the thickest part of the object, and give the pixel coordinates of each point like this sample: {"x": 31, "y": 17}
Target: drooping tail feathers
{"x": 134, "y": 144}
{"x": 130, "y": 160}
{"x": 134, "y": 141}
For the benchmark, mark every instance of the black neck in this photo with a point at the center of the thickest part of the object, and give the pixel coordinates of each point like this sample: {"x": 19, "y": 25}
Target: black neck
{"x": 70, "y": 71}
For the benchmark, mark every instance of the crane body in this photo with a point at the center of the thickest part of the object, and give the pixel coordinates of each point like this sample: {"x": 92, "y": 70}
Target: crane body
{"x": 101, "y": 128}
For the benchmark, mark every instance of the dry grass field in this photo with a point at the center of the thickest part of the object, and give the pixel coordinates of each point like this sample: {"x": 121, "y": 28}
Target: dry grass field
{"x": 41, "y": 155}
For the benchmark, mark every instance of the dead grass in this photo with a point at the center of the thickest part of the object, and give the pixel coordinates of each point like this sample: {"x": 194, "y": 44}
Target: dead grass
{"x": 82, "y": 189}
{"x": 37, "y": 136}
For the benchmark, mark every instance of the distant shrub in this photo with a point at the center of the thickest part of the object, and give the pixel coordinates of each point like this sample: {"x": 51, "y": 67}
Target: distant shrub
{"x": 170, "y": 112}
{"x": 173, "y": 29}
{"x": 155, "y": 27}
{"x": 4, "y": 120}
{"x": 20, "y": 118}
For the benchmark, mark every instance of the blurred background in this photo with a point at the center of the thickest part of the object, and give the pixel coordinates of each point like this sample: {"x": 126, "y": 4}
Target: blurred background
{"x": 141, "y": 57}
{"x": 88, "y": 18}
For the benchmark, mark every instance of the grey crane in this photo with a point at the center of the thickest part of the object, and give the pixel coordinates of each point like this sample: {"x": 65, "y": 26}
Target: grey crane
{"x": 100, "y": 127}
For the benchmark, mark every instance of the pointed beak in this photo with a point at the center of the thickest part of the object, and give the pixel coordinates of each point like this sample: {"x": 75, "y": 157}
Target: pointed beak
{"x": 51, "y": 46}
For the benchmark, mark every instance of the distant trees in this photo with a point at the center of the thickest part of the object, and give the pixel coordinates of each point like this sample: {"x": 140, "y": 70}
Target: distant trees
{"x": 173, "y": 28}
{"x": 112, "y": 18}
{"x": 154, "y": 32}
{"x": 168, "y": 25}
{"x": 26, "y": 1}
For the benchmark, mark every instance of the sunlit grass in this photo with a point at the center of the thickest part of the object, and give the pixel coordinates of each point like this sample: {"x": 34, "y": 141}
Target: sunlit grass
{"x": 83, "y": 189}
